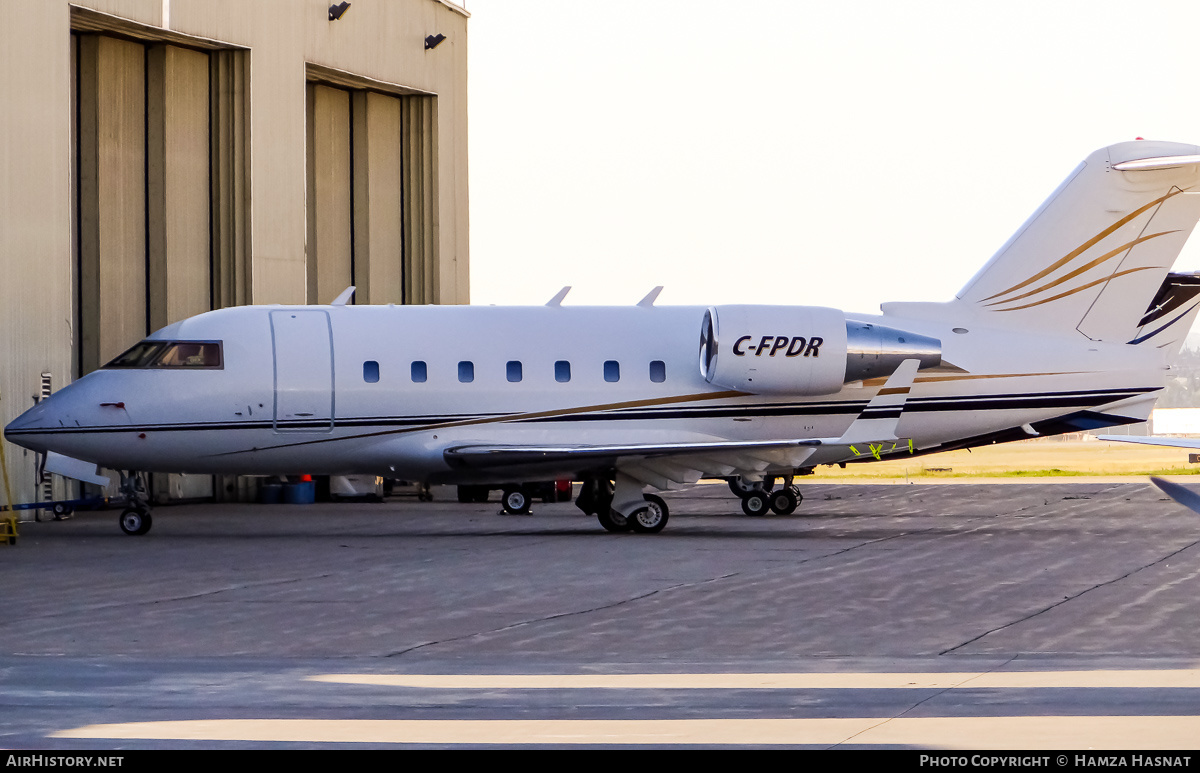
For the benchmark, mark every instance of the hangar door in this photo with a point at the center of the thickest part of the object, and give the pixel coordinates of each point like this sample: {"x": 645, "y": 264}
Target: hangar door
{"x": 303, "y": 352}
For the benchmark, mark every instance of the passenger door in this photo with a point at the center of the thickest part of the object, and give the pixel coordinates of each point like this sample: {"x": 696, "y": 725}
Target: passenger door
{"x": 303, "y": 350}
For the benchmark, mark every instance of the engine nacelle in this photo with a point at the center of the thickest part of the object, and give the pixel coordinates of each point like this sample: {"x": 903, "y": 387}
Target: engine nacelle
{"x": 801, "y": 350}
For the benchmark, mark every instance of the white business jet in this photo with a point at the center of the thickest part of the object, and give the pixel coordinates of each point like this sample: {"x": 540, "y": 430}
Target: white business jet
{"x": 1068, "y": 327}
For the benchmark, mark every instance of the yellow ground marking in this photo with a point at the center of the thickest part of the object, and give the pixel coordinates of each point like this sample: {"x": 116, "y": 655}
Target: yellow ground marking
{"x": 1055, "y": 732}
{"x": 785, "y": 681}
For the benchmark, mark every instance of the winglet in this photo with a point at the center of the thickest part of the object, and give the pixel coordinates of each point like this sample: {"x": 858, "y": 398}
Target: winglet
{"x": 558, "y": 297}
{"x": 878, "y": 420}
{"x": 650, "y": 297}
{"x": 344, "y": 298}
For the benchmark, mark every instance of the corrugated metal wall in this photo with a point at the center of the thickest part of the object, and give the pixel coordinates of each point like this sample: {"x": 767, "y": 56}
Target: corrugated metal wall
{"x": 153, "y": 166}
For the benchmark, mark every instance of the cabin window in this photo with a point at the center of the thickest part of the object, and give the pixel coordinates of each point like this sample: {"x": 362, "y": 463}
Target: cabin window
{"x": 371, "y": 371}
{"x": 612, "y": 371}
{"x": 420, "y": 373}
{"x": 562, "y": 371}
{"x": 171, "y": 354}
{"x": 466, "y": 371}
{"x": 658, "y": 371}
{"x": 514, "y": 371}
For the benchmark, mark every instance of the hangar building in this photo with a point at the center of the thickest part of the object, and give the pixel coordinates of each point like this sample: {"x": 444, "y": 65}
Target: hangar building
{"x": 160, "y": 158}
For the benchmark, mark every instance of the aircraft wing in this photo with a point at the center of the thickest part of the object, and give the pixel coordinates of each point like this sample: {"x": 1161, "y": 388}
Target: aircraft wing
{"x": 506, "y": 456}
{"x": 1174, "y": 442}
{"x": 669, "y": 465}
{"x": 1186, "y": 497}
{"x": 663, "y": 465}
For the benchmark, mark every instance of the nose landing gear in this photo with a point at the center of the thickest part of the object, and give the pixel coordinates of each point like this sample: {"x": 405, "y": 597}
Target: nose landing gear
{"x": 135, "y": 520}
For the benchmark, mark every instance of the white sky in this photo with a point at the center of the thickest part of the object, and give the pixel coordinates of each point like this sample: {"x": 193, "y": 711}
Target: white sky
{"x": 825, "y": 153}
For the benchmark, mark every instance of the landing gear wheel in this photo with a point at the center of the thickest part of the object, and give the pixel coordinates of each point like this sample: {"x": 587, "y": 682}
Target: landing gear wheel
{"x": 783, "y": 501}
{"x": 756, "y": 503}
{"x": 62, "y": 511}
{"x": 515, "y": 501}
{"x": 135, "y": 521}
{"x": 613, "y": 521}
{"x": 652, "y": 518}
{"x": 743, "y": 488}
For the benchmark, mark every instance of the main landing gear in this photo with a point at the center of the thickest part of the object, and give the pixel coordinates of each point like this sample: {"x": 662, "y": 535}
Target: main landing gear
{"x": 760, "y": 498}
{"x": 623, "y": 507}
{"x": 135, "y": 520}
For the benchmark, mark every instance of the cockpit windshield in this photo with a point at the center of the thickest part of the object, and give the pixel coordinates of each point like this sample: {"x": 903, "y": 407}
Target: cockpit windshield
{"x": 171, "y": 354}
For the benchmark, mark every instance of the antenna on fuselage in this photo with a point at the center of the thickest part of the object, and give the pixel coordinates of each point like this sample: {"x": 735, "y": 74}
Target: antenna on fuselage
{"x": 650, "y": 297}
{"x": 344, "y": 298}
{"x": 558, "y": 297}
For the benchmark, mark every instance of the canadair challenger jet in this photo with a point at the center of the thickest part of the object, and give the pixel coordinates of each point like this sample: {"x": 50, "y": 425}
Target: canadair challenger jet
{"x": 1068, "y": 327}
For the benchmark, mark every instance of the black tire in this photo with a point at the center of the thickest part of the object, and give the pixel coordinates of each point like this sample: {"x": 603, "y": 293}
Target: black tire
{"x": 652, "y": 518}
{"x": 743, "y": 488}
{"x": 466, "y": 495}
{"x": 783, "y": 501}
{"x": 61, "y": 511}
{"x": 613, "y": 521}
{"x": 135, "y": 521}
{"x": 515, "y": 501}
{"x": 756, "y": 503}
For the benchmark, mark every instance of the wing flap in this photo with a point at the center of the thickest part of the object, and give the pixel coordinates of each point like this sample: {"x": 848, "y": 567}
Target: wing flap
{"x": 484, "y": 456}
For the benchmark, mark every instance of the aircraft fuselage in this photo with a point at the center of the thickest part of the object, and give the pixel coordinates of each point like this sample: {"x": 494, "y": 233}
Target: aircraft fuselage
{"x": 387, "y": 389}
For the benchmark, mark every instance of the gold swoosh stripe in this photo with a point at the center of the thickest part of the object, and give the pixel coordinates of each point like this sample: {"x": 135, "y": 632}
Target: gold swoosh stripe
{"x": 965, "y": 377}
{"x": 508, "y": 417}
{"x": 1080, "y": 289}
{"x": 1085, "y": 267}
{"x": 1086, "y": 245}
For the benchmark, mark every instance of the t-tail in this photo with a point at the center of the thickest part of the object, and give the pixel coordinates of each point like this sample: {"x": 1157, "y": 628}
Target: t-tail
{"x": 1095, "y": 259}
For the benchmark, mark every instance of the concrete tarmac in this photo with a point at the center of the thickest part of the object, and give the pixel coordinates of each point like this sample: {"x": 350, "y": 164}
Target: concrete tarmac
{"x": 1029, "y": 616}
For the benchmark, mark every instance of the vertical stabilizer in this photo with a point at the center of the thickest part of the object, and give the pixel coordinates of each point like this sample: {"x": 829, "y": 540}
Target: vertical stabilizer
{"x": 1099, "y": 249}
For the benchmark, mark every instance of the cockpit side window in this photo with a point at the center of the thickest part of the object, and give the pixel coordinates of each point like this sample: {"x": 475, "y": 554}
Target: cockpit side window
{"x": 172, "y": 354}
{"x": 139, "y": 355}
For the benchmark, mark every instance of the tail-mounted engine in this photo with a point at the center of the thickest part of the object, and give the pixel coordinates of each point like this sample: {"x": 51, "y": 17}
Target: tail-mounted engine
{"x": 802, "y": 350}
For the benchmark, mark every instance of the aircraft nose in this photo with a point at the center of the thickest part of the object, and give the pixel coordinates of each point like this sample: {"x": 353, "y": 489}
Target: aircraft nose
{"x": 31, "y": 419}
{"x": 34, "y": 428}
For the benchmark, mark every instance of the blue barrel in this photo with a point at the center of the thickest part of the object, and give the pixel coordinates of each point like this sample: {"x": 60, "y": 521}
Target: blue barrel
{"x": 303, "y": 493}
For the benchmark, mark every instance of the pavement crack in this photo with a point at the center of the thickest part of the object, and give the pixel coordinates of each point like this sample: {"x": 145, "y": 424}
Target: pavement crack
{"x": 1072, "y": 597}
{"x": 561, "y": 615}
{"x": 935, "y": 694}
{"x": 165, "y": 599}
